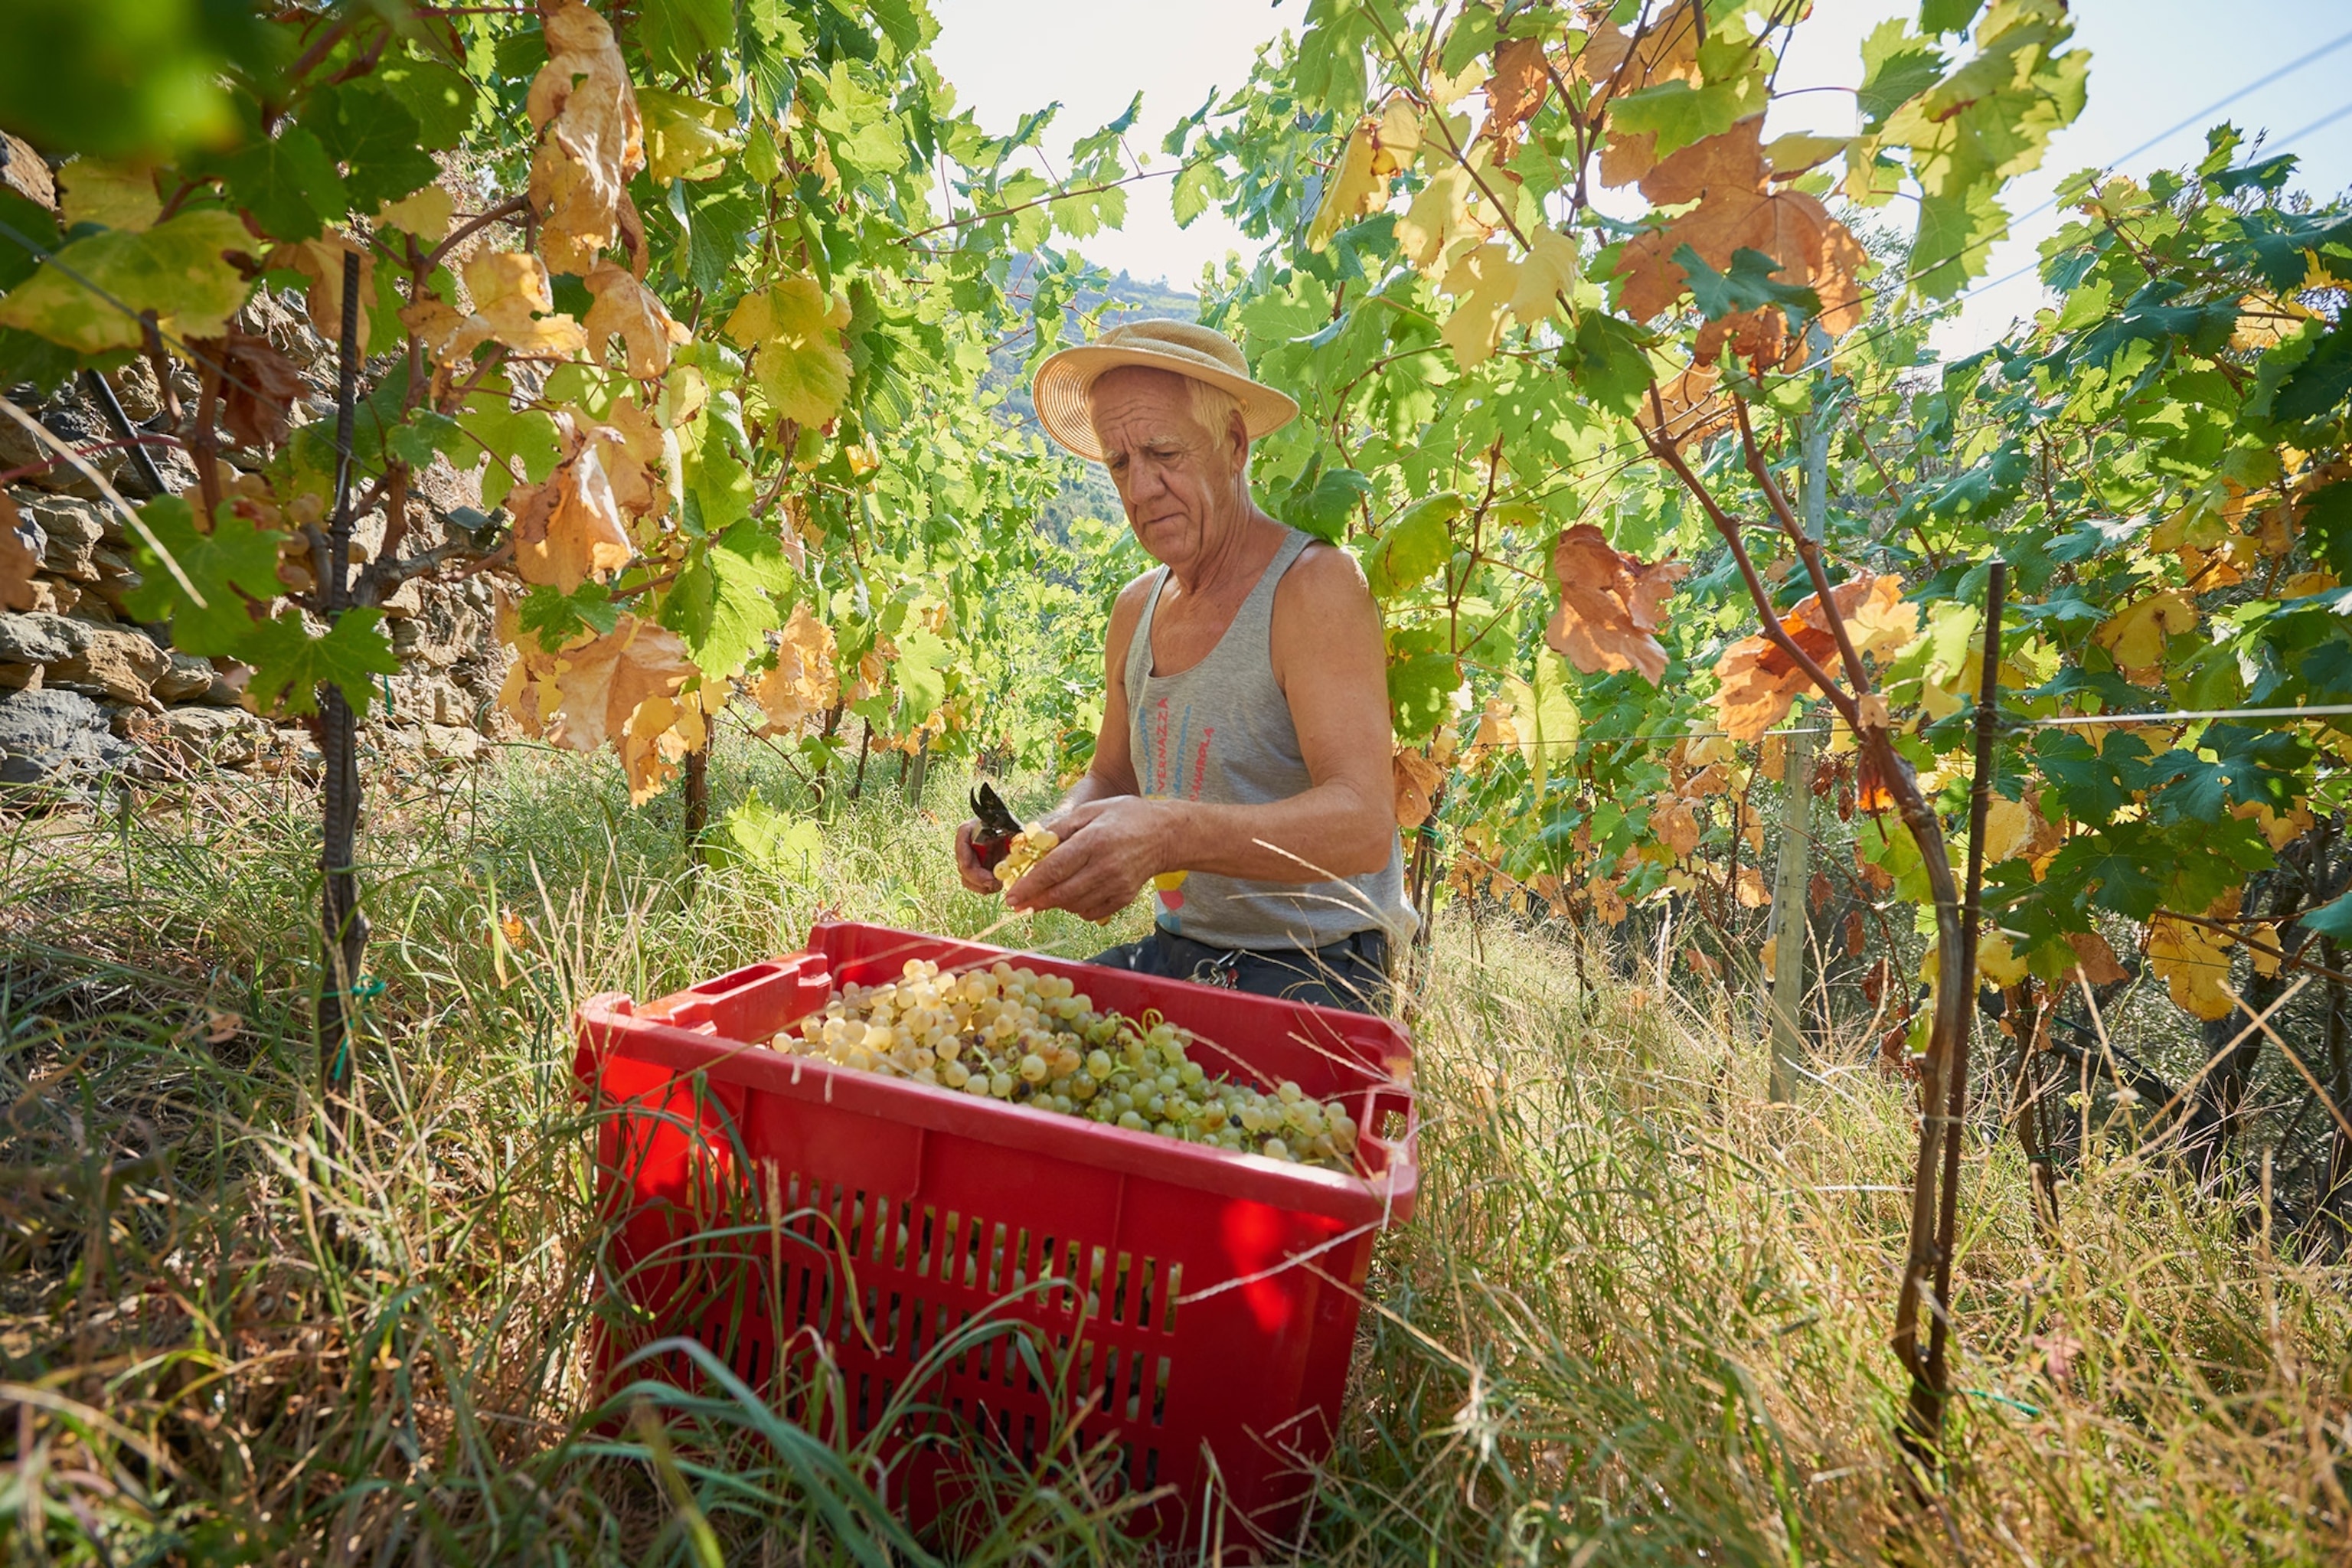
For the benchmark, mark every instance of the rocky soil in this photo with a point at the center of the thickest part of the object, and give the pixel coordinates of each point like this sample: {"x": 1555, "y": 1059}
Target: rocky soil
{"x": 85, "y": 691}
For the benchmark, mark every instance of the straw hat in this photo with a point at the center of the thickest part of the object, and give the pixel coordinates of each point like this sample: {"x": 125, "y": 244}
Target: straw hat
{"x": 1185, "y": 347}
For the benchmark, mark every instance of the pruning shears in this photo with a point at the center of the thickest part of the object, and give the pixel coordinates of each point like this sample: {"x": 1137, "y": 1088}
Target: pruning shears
{"x": 993, "y": 837}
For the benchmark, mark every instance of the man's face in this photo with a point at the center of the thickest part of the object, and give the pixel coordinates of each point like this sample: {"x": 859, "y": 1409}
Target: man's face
{"x": 1176, "y": 475}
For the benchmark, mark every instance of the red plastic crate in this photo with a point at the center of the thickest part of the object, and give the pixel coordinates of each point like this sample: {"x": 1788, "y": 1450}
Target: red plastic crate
{"x": 1215, "y": 1294}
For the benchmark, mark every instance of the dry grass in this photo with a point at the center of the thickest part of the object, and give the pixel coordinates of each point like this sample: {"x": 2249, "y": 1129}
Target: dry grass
{"x": 1641, "y": 1315}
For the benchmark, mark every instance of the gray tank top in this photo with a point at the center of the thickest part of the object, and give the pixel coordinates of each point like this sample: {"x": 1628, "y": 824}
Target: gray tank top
{"x": 1220, "y": 733}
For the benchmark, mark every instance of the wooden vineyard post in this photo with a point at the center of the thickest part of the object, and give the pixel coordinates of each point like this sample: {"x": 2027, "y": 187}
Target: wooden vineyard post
{"x": 697, "y": 813}
{"x": 1789, "y": 927}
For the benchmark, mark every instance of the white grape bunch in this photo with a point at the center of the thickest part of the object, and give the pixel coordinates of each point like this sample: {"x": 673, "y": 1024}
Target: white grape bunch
{"x": 1022, "y": 851}
{"x": 1032, "y": 1039}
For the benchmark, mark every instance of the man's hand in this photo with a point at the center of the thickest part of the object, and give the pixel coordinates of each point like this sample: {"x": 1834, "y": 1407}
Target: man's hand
{"x": 976, "y": 877}
{"x": 1109, "y": 848}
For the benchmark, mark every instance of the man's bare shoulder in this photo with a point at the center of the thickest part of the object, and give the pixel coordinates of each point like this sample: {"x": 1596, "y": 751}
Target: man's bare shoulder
{"x": 1323, "y": 580}
{"x": 1125, "y": 611}
{"x": 1128, "y": 608}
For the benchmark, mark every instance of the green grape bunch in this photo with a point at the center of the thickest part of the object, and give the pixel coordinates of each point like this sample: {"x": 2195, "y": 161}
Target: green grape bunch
{"x": 1025, "y": 850}
{"x": 1011, "y": 1034}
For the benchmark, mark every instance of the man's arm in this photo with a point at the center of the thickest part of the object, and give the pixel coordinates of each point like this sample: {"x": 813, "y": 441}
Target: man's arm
{"x": 1112, "y": 773}
{"x": 1330, "y": 660}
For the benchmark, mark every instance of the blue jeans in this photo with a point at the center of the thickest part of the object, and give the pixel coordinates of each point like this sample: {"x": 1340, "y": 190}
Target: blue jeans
{"x": 1352, "y": 972}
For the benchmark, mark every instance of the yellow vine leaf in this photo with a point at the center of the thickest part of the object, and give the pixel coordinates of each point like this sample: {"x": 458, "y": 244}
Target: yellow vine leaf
{"x": 2264, "y": 322}
{"x": 1442, "y": 215}
{"x": 2194, "y": 962}
{"x": 2266, "y": 963}
{"x": 113, "y": 196}
{"x": 1607, "y": 618}
{"x": 1482, "y": 283}
{"x": 640, "y": 458}
{"x": 1997, "y": 961}
{"x": 1354, "y": 190}
{"x": 794, "y": 330}
{"x": 1792, "y": 154}
{"x": 424, "y": 213}
{"x": 2009, "y": 828}
{"x": 2280, "y": 829}
{"x": 175, "y": 269}
{"x": 2135, "y": 635}
{"x": 529, "y": 693}
{"x": 628, "y": 310}
{"x": 1397, "y": 138}
{"x": 514, "y": 304}
{"x": 1380, "y": 148}
{"x": 686, "y": 138}
{"x": 1546, "y": 276}
{"x": 591, "y": 139}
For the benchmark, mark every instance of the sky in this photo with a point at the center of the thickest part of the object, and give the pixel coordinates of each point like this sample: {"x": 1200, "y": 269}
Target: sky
{"x": 2154, "y": 64}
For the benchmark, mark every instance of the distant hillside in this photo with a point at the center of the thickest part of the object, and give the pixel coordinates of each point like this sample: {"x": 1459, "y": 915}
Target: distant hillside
{"x": 1120, "y": 298}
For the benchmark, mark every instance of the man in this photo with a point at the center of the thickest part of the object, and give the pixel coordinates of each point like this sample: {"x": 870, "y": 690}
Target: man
{"x": 1243, "y": 767}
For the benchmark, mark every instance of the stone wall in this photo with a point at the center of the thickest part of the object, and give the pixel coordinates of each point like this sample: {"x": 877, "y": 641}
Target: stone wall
{"x": 85, "y": 690}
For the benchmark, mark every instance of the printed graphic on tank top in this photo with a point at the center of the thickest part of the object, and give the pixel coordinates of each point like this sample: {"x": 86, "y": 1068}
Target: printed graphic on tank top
{"x": 1220, "y": 733}
{"x": 1182, "y": 781}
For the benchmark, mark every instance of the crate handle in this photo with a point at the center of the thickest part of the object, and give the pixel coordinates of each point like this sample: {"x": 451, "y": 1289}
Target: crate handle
{"x": 765, "y": 996}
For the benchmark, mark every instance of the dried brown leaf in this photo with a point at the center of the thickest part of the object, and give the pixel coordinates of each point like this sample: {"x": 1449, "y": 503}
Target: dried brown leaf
{"x": 1416, "y": 780}
{"x": 569, "y": 529}
{"x": 322, "y": 261}
{"x": 592, "y": 138}
{"x": 1607, "y": 618}
{"x": 804, "y": 681}
{"x": 2096, "y": 958}
{"x": 1515, "y": 93}
{"x": 600, "y": 683}
{"x": 1759, "y": 681}
{"x": 628, "y": 310}
{"x": 259, "y": 387}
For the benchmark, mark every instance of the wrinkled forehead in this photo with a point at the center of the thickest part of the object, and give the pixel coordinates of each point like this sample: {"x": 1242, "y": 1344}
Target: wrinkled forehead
{"x": 1135, "y": 407}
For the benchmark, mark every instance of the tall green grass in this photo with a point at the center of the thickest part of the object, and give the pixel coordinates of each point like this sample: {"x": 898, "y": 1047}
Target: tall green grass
{"x": 1640, "y": 1316}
